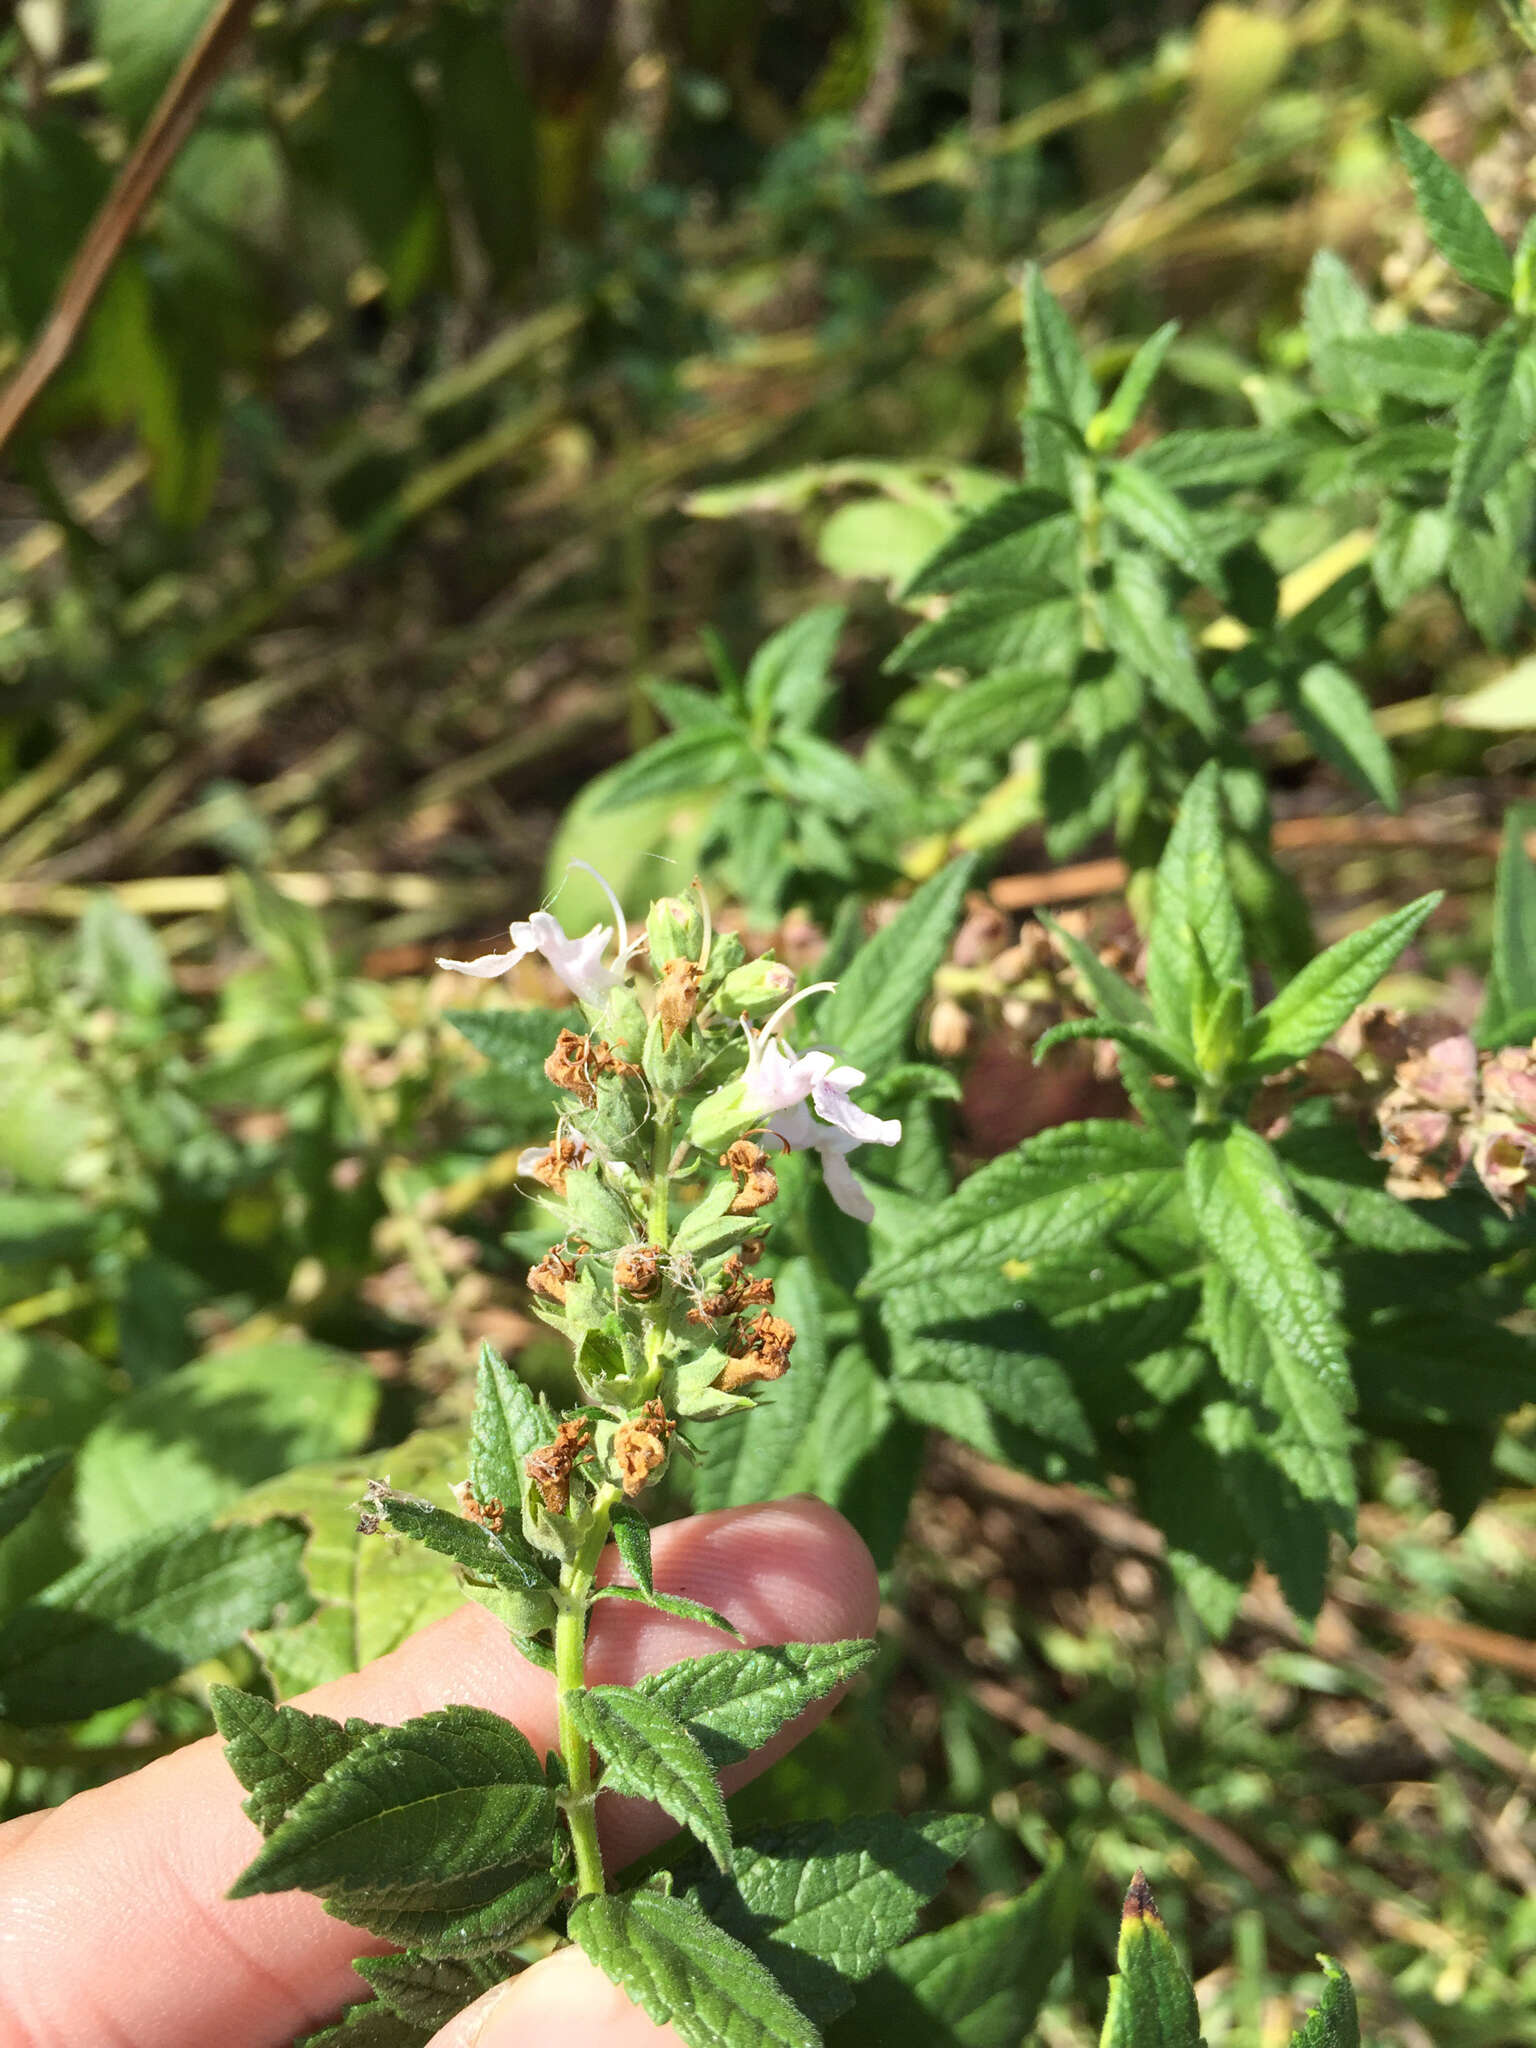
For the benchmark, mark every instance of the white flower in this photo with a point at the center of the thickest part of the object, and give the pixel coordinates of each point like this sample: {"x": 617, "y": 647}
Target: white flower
{"x": 778, "y": 1083}
{"x": 578, "y": 962}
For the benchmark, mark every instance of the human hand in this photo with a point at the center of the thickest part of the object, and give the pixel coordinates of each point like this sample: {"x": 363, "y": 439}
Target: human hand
{"x": 114, "y": 1925}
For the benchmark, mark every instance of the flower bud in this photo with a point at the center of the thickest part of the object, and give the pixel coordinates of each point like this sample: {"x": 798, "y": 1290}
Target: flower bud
{"x": 672, "y": 1060}
{"x": 755, "y": 989}
{"x": 726, "y": 953}
{"x": 721, "y": 1118}
{"x": 675, "y": 929}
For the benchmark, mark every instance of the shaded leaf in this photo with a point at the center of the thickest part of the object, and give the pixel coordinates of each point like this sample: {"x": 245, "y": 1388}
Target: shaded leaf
{"x": 870, "y": 1014}
{"x": 648, "y": 1754}
{"x": 278, "y": 1753}
{"x": 824, "y": 1902}
{"x": 733, "y": 1701}
{"x": 687, "y": 1973}
{"x": 139, "y": 1616}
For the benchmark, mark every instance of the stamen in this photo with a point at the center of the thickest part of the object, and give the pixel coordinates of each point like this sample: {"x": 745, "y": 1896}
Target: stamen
{"x": 618, "y": 915}
{"x": 816, "y": 988}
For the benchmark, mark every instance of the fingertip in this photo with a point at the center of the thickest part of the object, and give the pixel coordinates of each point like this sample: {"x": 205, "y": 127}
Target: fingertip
{"x": 563, "y": 1998}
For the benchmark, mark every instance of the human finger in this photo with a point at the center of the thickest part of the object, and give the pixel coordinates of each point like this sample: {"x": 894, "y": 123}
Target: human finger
{"x": 563, "y": 1998}
{"x": 114, "y": 1925}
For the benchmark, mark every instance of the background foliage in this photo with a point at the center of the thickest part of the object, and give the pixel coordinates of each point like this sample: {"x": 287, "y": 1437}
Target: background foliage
{"x": 482, "y": 391}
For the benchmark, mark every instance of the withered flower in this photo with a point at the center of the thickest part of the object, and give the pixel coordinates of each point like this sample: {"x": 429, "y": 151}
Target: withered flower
{"x": 637, "y": 1270}
{"x": 736, "y": 1293}
{"x": 550, "y": 1466}
{"x": 758, "y": 1184}
{"x": 489, "y": 1514}
{"x": 678, "y": 1003}
{"x": 550, "y": 1277}
{"x": 550, "y": 1166}
{"x": 640, "y": 1445}
{"x": 759, "y": 1351}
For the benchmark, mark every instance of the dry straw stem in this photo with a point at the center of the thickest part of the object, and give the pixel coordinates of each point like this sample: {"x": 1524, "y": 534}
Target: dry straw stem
{"x": 147, "y": 163}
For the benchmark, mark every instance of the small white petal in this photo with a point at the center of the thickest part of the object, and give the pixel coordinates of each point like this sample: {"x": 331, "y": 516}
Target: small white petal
{"x": 864, "y": 1129}
{"x": 487, "y": 967}
{"x": 845, "y": 1189}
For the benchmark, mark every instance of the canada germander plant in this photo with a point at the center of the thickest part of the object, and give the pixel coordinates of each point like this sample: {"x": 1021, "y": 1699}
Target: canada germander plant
{"x": 449, "y": 1835}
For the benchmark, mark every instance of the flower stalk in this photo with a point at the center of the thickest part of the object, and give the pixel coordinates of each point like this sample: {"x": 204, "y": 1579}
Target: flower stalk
{"x": 661, "y": 1195}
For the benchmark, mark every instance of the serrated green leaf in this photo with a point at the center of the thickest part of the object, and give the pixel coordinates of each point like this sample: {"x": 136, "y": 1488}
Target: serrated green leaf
{"x": 1002, "y": 1358}
{"x": 1449, "y": 1368}
{"x": 1149, "y": 509}
{"x": 1215, "y": 458}
{"x": 632, "y": 1538}
{"x": 1247, "y": 1215}
{"x": 1333, "y": 2022}
{"x": 1060, "y": 1191}
{"x": 687, "y": 1973}
{"x": 428, "y": 1991}
{"x": 372, "y": 1593}
{"x": 1511, "y": 990}
{"x": 1312, "y": 1006}
{"x": 508, "y": 1422}
{"x": 1410, "y": 551}
{"x": 139, "y": 1616}
{"x": 1426, "y": 365}
{"x": 870, "y": 1014}
{"x": 1459, "y": 228}
{"x": 1485, "y": 571}
{"x": 733, "y": 1701}
{"x": 819, "y": 774}
{"x": 1331, "y": 710}
{"x": 823, "y": 1903}
{"x": 505, "y": 1557}
{"x": 1022, "y": 625}
{"x": 1059, "y": 378}
{"x": 670, "y": 1603}
{"x": 1494, "y": 421}
{"x": 1151, "y": 2001}
{"x": 703, "y": 757}
{"x": 1160, "y": 1057}
{"x": 977, "y": 1983}
{"x": 648, "y": 1754}
{"x": 789, "y": 679}
{"x": 517, "y": 1043}
{"x": 197, "y": 1439}
{"x": 278, "y": 1753}
{"x": 1141, "y": 627}
{"x": 1114, "y": 995}
{"x": 1193, "y": 906}
{"x": 1009, "y": 515}
{"x": 1110, "y": 427}
{"x": 369, "y": 2025}
{"x": 23, "y": 1484}
{"x": 992, "y": 715}
{"x": 441, "y": 1827}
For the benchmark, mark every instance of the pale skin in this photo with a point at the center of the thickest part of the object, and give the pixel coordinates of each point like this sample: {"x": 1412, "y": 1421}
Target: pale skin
{"x": 114, "y": 1927}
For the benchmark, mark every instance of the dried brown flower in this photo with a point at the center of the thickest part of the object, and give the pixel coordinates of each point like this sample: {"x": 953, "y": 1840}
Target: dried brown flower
{"x": 640, "y": 1446}
{"x": 759, "y": 1351}
{"x": 678, "y": 1003}
{"x": 736, "y": 1292}
{"x": 637, "y": 1270}
{"x": 489, "y": 1514}
{"x": 550, "y": 1277}
{"x": 579, "y": 1061}
{"x": 552, "y": 1166}
{"x": 758, "y": 1184}
{"x": 550, "y": 1466}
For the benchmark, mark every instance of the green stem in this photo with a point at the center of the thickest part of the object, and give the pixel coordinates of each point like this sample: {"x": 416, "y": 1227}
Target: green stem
{"x": 657, "y": 1220}
{"x": 570, "y": 1677}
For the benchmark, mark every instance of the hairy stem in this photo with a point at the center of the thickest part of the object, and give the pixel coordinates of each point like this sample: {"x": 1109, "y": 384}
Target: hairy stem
{"x": 570, "y": 1677}
{"x": 658, "y": 1218}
